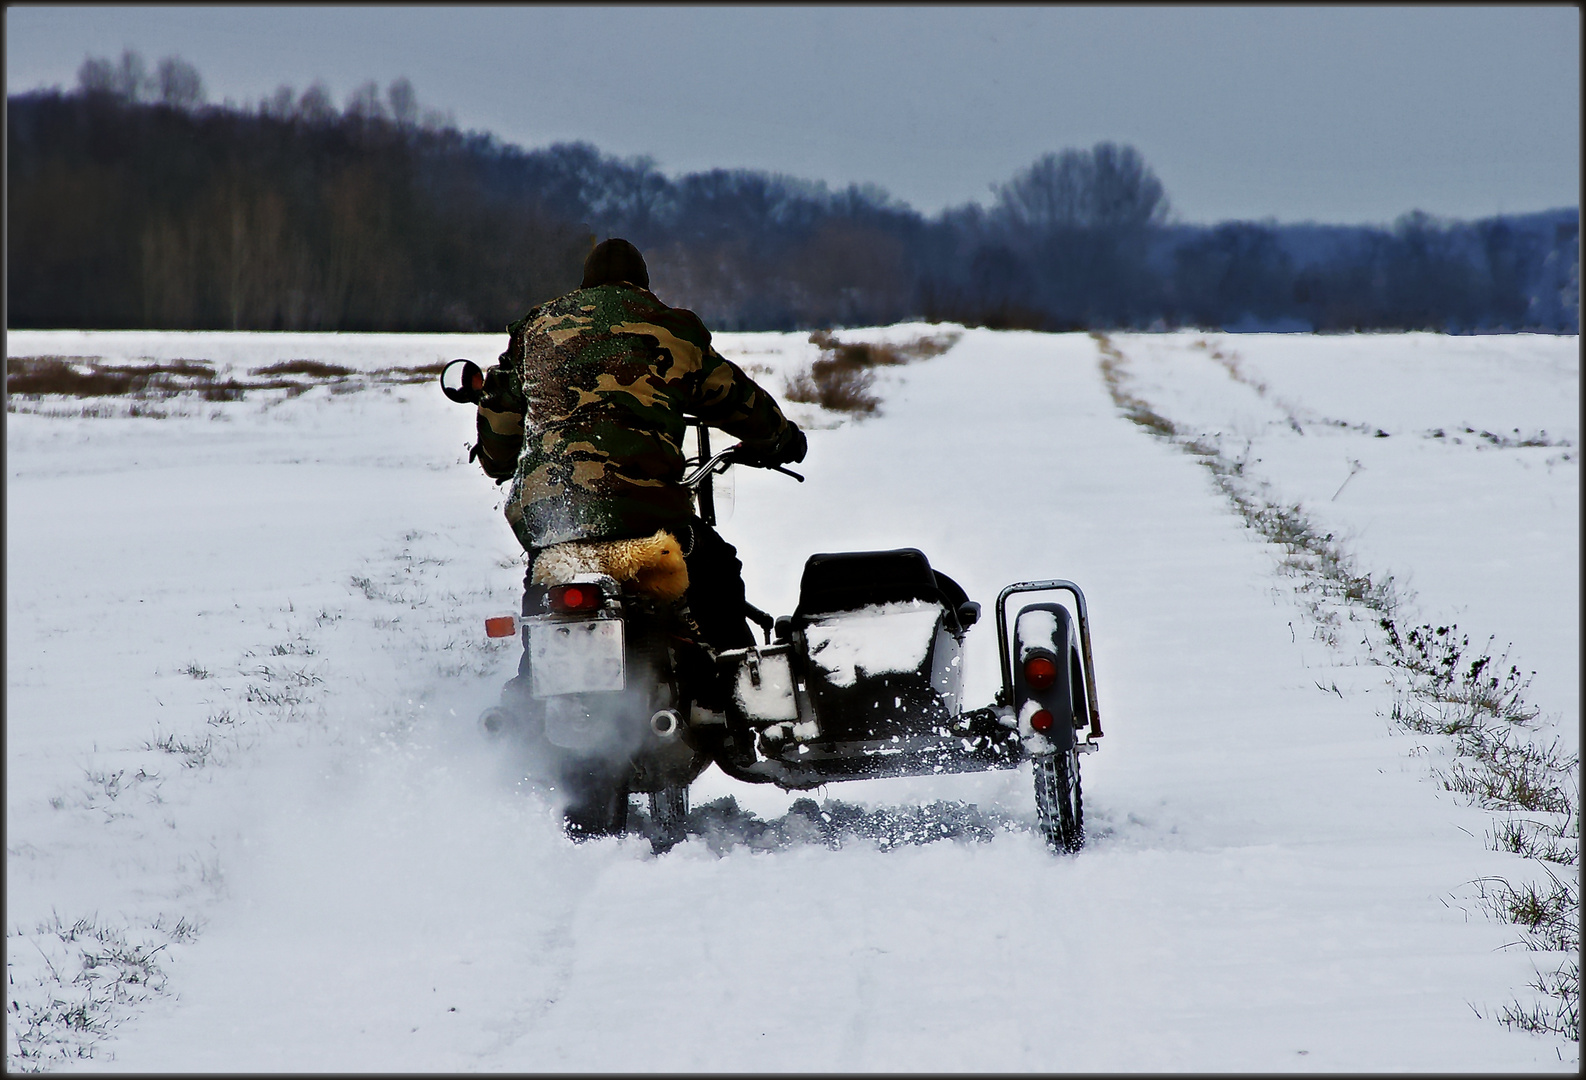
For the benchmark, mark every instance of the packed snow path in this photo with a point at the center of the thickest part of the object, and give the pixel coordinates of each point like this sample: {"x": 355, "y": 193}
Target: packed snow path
{"x": 1272, "y": 882}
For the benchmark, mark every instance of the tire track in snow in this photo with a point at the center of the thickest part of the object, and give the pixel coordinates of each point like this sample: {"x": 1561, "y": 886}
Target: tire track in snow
{"x": 556, "y": 946}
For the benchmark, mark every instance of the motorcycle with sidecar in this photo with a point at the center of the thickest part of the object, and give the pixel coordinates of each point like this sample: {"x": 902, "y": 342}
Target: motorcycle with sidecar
{"x": 862, "y": 680}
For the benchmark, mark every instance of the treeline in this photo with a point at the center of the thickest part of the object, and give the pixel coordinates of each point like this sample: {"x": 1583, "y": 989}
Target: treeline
{"x": 133, "y": 204}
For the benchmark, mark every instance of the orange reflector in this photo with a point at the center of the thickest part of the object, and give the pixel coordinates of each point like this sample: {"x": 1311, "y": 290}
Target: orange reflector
{"x": 501, "y": 626}
{"x": 1040, "y": 672}
{"x": 1041, "y": 720}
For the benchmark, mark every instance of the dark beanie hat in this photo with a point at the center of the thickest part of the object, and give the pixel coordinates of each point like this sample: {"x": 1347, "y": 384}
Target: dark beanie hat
{"x": 615, "y": 260}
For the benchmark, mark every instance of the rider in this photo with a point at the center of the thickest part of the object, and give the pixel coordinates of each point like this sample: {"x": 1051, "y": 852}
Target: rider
{"x": 584, "y": 413}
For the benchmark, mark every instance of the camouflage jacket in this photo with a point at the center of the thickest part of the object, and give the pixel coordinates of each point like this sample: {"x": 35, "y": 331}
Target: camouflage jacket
{"x": 585, "y": 412}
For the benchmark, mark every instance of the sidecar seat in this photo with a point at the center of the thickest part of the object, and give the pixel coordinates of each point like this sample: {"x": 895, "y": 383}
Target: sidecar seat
{"x": 849, "y": 580}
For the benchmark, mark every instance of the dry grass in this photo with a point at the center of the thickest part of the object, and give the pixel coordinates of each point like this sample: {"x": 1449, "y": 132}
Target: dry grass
{"x": 842, "y": 379}
{"x": 1549, "y": 911}
{"x": 1136, "y": 408}
{"x": 417, "y": 374}
{"x": 1561, "y": 1014}
{"x": 1533, "y": 839}
{"x": 837, "y": 388}
{"x": 316, "y": 368}
{"x": 1467, "y": 688}
{"x": 36, "y": 379}
{"x": 89, "y": 376}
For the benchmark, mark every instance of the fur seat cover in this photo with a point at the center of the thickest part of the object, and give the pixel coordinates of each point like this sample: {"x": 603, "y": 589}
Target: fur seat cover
{"x": 653, "y": 565}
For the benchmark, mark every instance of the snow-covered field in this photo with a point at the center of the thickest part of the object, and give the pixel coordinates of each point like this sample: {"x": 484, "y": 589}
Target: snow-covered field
{"x": 251, "y": 825}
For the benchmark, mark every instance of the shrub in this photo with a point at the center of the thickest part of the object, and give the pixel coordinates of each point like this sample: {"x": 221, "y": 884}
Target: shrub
{"x": 843, "y": 376}
{"x": 316, "y": 368}
{"x": 66, "y": 375}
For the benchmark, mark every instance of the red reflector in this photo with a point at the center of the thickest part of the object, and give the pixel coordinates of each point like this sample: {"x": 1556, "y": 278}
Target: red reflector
{"x": 1041, "y": 720}
{"x": 569, "y": 598}
{"x": 1040, "y": 672}
{"x": 501, "y": 626}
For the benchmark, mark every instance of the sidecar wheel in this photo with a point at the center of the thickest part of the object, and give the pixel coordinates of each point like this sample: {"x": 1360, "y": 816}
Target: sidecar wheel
{"x": 597, "y": 806}
{"x": 1058, "y": 803}
{"x": 668, "y": 818}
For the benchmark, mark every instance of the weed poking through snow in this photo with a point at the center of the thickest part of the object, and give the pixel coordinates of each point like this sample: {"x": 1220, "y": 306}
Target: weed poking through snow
{"x": 72, "y": 984}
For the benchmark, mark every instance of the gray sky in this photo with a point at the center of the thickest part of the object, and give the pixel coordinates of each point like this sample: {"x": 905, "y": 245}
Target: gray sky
{"x": 1334, "y": 114}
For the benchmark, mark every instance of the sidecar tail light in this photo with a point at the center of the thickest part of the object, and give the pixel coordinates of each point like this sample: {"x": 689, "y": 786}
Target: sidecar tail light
{"x": 1040, "y": 672}
{"x": 575, "y": 599}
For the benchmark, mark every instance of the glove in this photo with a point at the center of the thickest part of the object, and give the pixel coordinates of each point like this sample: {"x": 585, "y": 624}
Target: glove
{"x": 793, "y": 445}
{"x": 789, "y": 446}
{"x": 501, "y": 392}
{"x": 499, "y": 425}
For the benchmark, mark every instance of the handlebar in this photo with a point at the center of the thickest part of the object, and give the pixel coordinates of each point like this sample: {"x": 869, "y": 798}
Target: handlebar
{"x": 720, "y": 463}
{"x": 462, "y": 381}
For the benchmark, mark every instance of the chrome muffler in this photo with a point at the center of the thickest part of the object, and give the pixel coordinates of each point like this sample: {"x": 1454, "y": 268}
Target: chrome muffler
{"x": 666, "y": 724}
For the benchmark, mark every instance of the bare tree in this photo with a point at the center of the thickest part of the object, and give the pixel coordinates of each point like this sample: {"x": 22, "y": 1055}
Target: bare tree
{"x": 179, "y": 83}
{"x": 438, "y": 120}
{"x": 315, "y": 104}
{"x": 364, "y": 103}
{"x": 279, "y": 104}
{"x": 1125, "y": 192}
{"x": 96, "y": 76}
{"x": 1047, "y": 195}
{"x": 1107, "y": 187}
{"x": 403, "y": 102}
{"x": 130, "y": 80}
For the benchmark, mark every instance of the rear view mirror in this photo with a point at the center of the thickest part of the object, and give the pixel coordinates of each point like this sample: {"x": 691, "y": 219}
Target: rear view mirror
{"x": 462, "y": 381}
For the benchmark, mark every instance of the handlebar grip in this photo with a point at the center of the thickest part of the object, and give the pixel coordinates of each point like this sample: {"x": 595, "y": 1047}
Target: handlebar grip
{"x": 735, "y": 455}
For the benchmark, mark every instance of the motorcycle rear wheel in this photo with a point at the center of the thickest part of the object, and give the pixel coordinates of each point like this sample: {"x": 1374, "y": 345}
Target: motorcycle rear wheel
{"x": 597, "y": 806}
{"x": 668, "y": 818}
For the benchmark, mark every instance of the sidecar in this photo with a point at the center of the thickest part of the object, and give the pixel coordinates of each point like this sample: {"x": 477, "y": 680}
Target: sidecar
{"x": 864, "y": 680}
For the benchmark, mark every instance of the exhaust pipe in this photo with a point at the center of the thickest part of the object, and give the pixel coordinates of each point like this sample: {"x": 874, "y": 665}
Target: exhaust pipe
{"x": 493, "y": 721}
{"x": 666, "y": 724}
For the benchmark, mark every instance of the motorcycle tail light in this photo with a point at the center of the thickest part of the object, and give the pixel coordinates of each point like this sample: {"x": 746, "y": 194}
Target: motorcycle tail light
{"x": 574, "y": 599}
{"x": 1040, "y": 672}
{"x": 501, "y": 626}
{"x": 1041, "y": 720}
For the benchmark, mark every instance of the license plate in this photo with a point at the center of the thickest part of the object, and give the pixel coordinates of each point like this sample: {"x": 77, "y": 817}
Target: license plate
{"x": 576, "y": 657}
